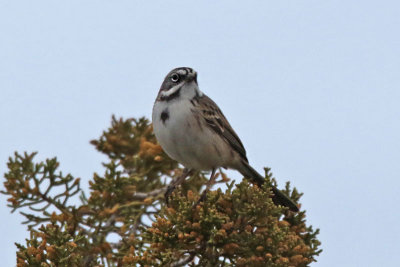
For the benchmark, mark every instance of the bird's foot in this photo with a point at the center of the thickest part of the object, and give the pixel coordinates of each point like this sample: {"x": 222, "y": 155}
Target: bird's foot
{"x": 202, "y": 198}
{"x": 168, "y": 193}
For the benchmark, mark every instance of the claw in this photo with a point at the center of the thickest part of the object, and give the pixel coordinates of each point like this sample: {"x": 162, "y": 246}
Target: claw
{"x": 168, "y": 193}
{"x": 175, "y": 183}
{"x": 202, "y": 198}
{"x": 210, "y": 182}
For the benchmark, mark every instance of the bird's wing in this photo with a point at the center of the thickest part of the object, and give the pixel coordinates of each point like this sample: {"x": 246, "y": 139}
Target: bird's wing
{"x": 216, "y": 120}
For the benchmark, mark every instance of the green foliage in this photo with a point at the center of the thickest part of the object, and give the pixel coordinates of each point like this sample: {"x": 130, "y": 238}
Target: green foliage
{"x": 35, "y": 185}
{"x": 124, "y": 220}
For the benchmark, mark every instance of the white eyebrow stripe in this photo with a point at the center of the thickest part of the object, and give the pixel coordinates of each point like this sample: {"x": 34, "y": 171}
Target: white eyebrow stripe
{"x": 182, "y": 72}
{"x": 171, "y": 90}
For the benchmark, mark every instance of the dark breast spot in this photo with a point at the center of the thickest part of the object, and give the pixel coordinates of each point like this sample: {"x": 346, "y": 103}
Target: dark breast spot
{"x": 164, "y": 115}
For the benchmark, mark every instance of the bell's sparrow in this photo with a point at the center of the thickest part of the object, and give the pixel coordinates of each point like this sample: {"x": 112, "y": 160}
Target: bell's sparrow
{"x": 192, "y": 130}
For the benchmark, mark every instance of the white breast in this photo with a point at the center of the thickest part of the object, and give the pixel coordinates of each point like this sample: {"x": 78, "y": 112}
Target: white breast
{"x": 186, "y": 138}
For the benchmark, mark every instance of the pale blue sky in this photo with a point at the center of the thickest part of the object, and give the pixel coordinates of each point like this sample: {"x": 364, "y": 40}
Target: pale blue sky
{"x": 311, "y": 87}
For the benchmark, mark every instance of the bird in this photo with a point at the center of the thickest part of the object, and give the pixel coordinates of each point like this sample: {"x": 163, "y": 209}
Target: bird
{"x": 191, "y": 129}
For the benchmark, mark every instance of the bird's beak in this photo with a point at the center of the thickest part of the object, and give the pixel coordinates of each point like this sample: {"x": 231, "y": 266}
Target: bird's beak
{"x": 193, "y": 77}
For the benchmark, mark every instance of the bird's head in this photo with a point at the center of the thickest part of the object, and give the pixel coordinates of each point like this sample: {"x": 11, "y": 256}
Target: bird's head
{"x": 179, "y": 82}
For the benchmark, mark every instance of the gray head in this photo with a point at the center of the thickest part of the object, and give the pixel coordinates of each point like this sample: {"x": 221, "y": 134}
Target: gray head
{"x": 179, "y": 82}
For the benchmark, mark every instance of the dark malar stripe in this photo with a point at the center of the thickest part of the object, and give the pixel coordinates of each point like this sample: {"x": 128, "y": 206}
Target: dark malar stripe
{"x": 171, "y": 96}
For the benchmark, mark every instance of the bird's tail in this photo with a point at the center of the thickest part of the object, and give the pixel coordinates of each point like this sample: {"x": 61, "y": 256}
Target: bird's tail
{"x": 279, "y": 197}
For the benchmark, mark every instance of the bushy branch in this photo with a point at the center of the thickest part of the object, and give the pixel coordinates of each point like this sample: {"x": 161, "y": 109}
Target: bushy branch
{"x": 39, "y": 187}
{"x": 124, "y": 220}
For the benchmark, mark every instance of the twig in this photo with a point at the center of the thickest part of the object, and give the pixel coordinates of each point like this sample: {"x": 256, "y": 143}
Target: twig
{"x": 110, "y": 221}
{"x": 183, "y": 262}
{"x": 142, "y": 196}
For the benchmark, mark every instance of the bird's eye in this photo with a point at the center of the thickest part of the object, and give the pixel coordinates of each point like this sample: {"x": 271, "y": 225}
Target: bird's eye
{"x": 175, "y": 77}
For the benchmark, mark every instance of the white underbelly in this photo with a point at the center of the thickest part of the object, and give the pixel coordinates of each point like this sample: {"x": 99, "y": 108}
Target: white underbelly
{"x": 188, "y": 141}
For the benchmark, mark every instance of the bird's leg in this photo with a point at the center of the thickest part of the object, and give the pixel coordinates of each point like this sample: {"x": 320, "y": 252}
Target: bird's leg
{"x": 210, "y": 183}
{"x": 171, "y": 187}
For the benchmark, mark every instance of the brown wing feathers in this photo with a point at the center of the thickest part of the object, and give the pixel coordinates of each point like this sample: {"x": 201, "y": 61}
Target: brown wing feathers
{"x": 217, "y": 121}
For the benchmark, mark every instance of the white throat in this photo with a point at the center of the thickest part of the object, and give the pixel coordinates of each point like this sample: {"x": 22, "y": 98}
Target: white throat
{"x": 186, "y": 91}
